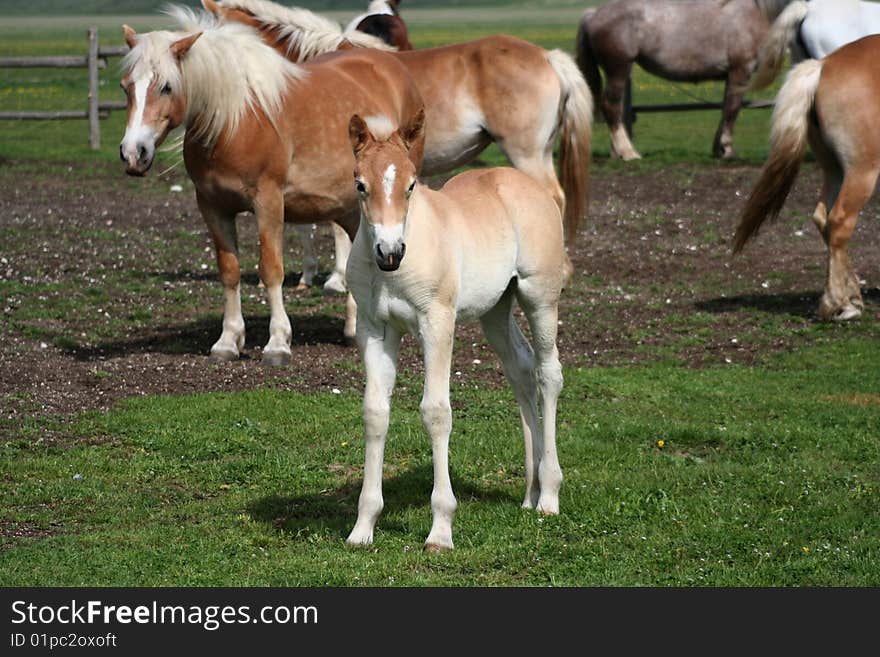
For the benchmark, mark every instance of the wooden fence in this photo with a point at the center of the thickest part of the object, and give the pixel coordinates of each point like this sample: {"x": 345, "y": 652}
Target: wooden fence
{"x": 94, "y": 60}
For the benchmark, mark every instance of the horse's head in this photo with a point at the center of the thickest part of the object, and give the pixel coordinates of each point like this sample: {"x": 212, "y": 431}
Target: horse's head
{"x": 385, "y": 179}
{"x": 154, "y": 89}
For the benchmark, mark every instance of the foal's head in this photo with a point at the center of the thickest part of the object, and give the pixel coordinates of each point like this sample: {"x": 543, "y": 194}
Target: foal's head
{"x": 156, "y": 102}
{"x": 385, "y": 178}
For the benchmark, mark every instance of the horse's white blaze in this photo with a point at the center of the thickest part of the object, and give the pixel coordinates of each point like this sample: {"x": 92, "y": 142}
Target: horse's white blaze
{"x": 136, "y": 132}
{"x": 388, "y": 235}
{"x": 388, "y": 179}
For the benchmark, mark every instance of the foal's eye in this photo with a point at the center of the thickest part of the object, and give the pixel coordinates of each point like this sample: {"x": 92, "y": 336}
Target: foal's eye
{"x": 411, "y": 189}
{"x": 360, "y": 187}
{"x": 166, "y": 90}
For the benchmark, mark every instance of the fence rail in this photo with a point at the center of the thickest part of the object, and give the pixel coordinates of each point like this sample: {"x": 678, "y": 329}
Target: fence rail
{"x": 95, "y": 60}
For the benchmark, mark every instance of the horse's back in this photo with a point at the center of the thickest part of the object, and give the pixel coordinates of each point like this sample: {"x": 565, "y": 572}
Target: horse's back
{"x": 830, "y": 25}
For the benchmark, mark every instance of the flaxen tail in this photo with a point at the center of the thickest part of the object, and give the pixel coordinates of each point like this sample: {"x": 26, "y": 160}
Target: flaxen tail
{"x": 576, "y": 127}
{"x": 788, "y": 143}
{"x": 782, "y": 33}
{"x": 586, "y": 58}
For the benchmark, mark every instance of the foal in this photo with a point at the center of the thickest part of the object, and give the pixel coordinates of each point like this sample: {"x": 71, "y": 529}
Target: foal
{"x": 423, "y": 259}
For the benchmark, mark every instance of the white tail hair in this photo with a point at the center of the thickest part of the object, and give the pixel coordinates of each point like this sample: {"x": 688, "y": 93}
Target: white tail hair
{"x": 772, "y": 53}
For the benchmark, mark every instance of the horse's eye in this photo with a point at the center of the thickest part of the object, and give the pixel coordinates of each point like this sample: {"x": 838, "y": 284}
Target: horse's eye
{"x": 361, "y": 188}
{"x": 166, "y": 90}
{"x": 411, "y": 188}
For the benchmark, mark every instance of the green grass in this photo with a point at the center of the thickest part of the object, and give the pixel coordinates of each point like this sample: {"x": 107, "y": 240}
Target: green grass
{"x": 765, "y": 477}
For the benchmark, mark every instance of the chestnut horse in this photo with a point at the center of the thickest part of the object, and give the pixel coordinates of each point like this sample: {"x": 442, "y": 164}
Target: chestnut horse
{"x": 813, "y": 30}
{"x": 498, "y": 88}
{"x": 832, "y": 104}
{"x": 262, "y": 134}
{"x": 682, "y": 41}
{"x": 383, "y": 20}
{"x": 423, "y": 260}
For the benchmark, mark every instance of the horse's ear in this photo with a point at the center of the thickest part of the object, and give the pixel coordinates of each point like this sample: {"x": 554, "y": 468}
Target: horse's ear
{"x": 180, "y": 47}
{"x": 130, "y": 36}
{"x": 414, "y": 131}
{"x": 358, "y": 133}
{"x": 213, "y": 8}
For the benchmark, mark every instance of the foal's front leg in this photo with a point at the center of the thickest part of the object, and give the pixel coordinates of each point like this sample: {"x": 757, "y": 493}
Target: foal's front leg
{"x": 269, "y": 206}
{"x": 380, "y": 347}
{"x": 436, "y": 330}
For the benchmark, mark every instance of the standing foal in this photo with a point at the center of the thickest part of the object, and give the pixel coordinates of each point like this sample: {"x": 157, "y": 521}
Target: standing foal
{"x": 424, "y": 259}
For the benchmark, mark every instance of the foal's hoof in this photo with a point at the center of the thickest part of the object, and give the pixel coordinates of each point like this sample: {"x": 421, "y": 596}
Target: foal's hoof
{"x": 224, "y": 355}
{"x": 850, "y": 312}
{"x": 276, "y": 358}
{"x": 436, "y": 548}
{"x": 335, "y": 285}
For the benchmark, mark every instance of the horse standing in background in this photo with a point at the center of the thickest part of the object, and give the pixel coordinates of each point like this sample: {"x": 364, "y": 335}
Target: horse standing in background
{"x": 682, "y": 41}
{"x": 383, "y": 20}
{"x": 263, "y": 135}
{"x": 813, "y": 30}
{"x": 833, "y": 105}
{"x": 423, "y": 260}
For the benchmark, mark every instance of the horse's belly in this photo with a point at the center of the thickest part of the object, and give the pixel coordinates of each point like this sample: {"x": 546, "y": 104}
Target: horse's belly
{"x": 453, "y": 140}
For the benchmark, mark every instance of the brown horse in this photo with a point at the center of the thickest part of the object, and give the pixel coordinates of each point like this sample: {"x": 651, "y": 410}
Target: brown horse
{"x": 262, "y": 134}
{"x": 833, "y": 105}
{"x": 683, "y": 41}
{"x": 498, "y": 88}
{"x": 383, "y": 20}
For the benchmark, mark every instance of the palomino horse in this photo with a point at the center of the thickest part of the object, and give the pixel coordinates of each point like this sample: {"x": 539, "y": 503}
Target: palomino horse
{"x": 423, "y": 260}
{"x": 683, "y": 41}
{"x": 383, "y": 20}
{"x": 261, "y": 136}
{"x": 497, "y": 89}
{"x": 813, "y": 30}
{"x": 833, "y": 104}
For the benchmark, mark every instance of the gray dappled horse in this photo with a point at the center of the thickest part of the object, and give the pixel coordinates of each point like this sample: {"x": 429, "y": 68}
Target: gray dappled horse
{"x": 688, "y": 41}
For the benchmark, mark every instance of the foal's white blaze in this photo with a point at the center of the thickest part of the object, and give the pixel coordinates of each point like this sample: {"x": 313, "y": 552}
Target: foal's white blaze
{"x": 388, "y": 236}
{"x": 388, "y": 181}
{"x": 136, "y": 132}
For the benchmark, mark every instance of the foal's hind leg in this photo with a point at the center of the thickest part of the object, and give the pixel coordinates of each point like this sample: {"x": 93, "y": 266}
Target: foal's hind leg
{"x": 222, "y": 228}
{"x": 734, "y": 89}
{"x": 518, "y": 360}
{"x": 842, "y": 286}
{"x": 612, "y": 108}
{"x": 538, "y": 299}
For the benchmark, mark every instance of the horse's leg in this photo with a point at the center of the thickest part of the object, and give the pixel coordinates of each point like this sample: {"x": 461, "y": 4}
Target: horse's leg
{"x": 734, "y": 89}
{"x": 310, "y": 260}
{"x": 436, "y": 331}
{"x": 380, "y": 346}
{"x": 270, "y": 223}
{"x": 842, "y": 298}
{"x": 612, "y": 108}
{"x": 222, "y": 228}
{"x": 541, "y": 311}
{"x": 518, "y": 361}
{"x": 342, "y": 245}
{"x": 832, "y": 178}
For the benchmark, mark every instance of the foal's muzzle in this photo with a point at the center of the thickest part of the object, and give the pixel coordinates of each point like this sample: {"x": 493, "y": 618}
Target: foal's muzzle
{"x": 389, "y": 258}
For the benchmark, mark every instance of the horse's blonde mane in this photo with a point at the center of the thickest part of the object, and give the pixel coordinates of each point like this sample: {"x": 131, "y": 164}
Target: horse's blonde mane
{"x": 302, "y": 30}
{"x": 228, "y": 72}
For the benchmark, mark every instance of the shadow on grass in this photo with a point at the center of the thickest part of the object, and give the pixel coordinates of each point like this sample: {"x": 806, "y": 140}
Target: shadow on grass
{"x": 248, "y": 279}
{"x": 335, "y": 511}
{"x": 797, "y": 304}
{"x": 196, "y": 338}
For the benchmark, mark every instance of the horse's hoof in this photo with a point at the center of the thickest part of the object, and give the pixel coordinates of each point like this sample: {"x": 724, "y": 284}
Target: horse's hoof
{"x": 436, "y": 548}
{"x": 302, "y": 287}
{"x": 629, "y": 157}
{"x": 548, "y": 508}
{"x": 350, "y": 340}
{"x": 224, "y": 354}
{"x": 335, "y": 285}
{"x": 276, "y": 358}
{"x": 850, "y": 312}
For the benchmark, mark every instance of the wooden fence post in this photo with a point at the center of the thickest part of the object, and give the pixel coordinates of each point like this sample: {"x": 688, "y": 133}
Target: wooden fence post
{"x": 94, "y": 123}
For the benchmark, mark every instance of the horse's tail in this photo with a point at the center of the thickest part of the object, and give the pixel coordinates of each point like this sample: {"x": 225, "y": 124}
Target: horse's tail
{"x": 788, "y": 143}
{"x": 586, "y": 58}
{"x": 772, "y": 52}
{"x": 576, "y": 127}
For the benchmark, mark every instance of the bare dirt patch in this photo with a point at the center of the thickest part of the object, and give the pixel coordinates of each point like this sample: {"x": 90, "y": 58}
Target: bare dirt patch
{"x": 110, "y": 288}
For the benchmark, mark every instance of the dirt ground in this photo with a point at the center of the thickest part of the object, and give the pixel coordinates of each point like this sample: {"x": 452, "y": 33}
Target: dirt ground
{"x": 655, "y": 280}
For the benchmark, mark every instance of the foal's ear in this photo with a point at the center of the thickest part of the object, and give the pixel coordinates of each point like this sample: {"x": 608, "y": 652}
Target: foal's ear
{"x": 358, "y": 133}
{"x": 180, "y": 47}
{"x": 130, "y": 36}
{"x": 212, "y": 7}
{"x": 413, "y": 132}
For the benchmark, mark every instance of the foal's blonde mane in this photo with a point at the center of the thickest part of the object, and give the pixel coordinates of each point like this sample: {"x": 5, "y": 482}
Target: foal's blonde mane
{"x": 228, "y": 72}
{"x": 303, "y": 30}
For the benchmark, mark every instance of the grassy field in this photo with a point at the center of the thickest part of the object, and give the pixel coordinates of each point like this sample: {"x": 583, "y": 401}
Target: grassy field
{"x": 734, "y": 475}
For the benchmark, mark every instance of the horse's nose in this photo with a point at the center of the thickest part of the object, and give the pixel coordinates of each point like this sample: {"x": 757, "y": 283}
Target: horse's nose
{"x": 389, "y": 258}
{"x": 142, "y": 153}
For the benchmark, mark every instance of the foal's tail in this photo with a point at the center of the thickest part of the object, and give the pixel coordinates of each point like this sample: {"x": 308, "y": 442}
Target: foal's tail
{"x": 788, "y": 143}
{"x": 772, "y": 53}
{"x": 586, "y": 58}
{"x": 576, "y": 124}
